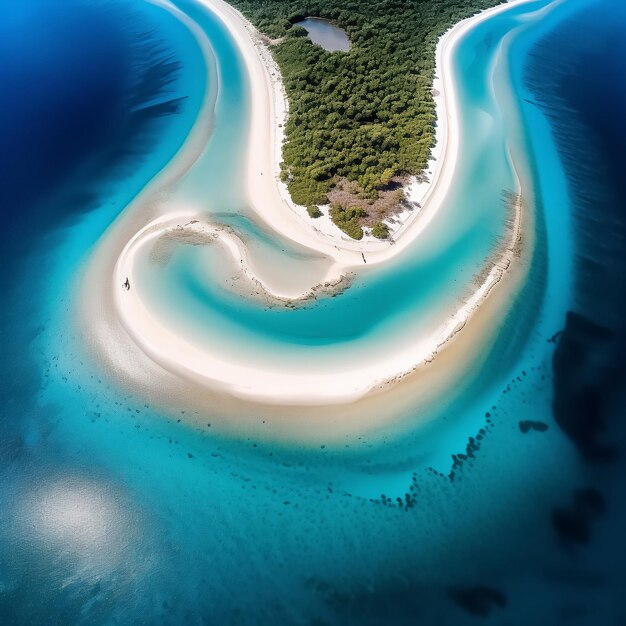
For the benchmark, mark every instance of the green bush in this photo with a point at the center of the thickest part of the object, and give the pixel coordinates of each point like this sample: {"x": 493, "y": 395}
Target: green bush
{"x": 347, "y": 219}
{"x": 314, "y": 211}
{"x": 380, "y": 230}
{"x": 307, "y": 192}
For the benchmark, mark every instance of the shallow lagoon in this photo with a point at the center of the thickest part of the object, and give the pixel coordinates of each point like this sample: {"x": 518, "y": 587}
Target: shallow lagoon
{"x": 325, "y": 34}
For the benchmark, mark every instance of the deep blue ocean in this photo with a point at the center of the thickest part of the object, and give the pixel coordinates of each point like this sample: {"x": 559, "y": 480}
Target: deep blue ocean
{"x": 510, "y": 511}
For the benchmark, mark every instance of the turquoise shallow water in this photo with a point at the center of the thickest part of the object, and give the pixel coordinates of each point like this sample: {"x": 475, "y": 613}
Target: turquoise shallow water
{"x": 416, "y": 291}
{"x": 115, "y": 513}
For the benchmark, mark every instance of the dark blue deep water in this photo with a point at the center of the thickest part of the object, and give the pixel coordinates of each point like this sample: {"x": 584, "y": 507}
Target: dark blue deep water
{"x": 578, "y": 74}
{"x": 87, "y": 92}
{"x": 110, "y": 515}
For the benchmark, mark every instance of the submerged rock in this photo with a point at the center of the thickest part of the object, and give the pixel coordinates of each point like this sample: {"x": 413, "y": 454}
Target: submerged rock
{"x": 479, "y": 600}
{"x": 586, "y": 372}
{"x": 573, "y": 523}
{"x": 527, "y": 425}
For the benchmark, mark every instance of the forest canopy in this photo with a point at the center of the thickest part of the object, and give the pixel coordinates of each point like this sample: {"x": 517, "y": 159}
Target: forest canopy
{"x": 365, "y": 115}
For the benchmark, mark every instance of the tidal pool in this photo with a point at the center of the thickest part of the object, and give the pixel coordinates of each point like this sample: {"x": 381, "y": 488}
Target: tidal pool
{"x": 325, "y": 34}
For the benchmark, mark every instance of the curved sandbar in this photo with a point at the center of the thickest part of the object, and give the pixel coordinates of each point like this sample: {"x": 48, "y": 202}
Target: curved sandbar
{"x": 279, "y": 386}
{"x": 269, "y": 199}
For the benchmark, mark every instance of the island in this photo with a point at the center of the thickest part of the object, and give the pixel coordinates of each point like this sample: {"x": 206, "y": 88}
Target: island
{"x": 361, "y": 123}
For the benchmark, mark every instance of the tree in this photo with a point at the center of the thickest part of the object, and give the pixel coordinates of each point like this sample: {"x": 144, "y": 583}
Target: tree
{"x": 380, "y": 230}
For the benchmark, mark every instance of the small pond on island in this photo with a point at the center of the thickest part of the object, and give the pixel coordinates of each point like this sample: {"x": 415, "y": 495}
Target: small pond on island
{"x": 325, "y": 34}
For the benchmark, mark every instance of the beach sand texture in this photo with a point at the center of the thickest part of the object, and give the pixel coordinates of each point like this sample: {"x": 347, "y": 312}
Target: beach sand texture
{"x": 142, "y": 352}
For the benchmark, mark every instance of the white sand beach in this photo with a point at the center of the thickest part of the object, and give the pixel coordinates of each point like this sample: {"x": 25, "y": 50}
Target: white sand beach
{"x": 146, "y": 354}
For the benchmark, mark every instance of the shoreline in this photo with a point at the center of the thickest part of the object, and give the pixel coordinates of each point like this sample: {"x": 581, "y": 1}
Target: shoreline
{"x": 189, "y": 229}
{"x": 269, "y": 197}
{"x": 280, "y": 386}
{"x": 206, "y": 372}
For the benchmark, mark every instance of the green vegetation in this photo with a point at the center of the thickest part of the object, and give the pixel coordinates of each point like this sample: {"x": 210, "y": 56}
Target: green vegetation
{"x": 348, "y": 219}
{"x": 364, "y": 116}
{"x": 314, "y": 211}
{"x": 380, "y": 230}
